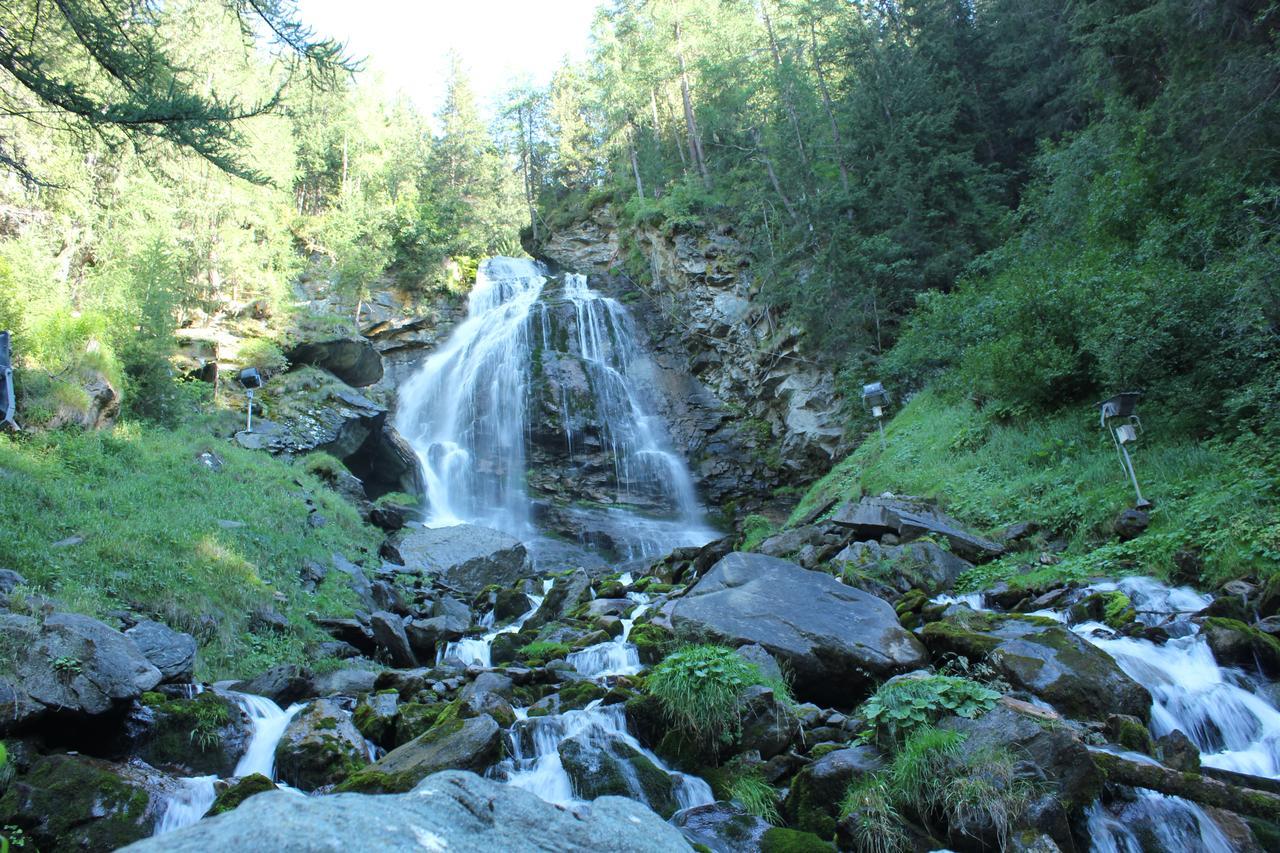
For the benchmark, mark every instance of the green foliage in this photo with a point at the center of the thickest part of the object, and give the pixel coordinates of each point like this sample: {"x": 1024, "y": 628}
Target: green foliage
{"x": 755, "y": 795}
{"x": 902, "y": 706}
{"x": 699, "y": 687}
{"x": 755, "y": 529}
{"x": 67, "y": 665}
{"x": 539, "y": 652}
{"x": 149, "y": 512}
{"x": 263, "y": 354}
{"x": 877, "y": 826}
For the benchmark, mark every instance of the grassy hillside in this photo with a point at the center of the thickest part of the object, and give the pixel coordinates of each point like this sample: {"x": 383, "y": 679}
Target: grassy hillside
{"x": 1221, "y": 501}
{"x": 165, "y": 535}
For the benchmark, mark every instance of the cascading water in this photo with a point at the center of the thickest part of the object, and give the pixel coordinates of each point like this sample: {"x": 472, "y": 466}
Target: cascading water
{"x": 478, "y": 651}
{"x": 467, "y": 413}
{"x": 617, "y": 657}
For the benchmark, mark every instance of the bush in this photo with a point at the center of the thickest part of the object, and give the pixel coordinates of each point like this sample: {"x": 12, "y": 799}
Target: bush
{"x": 699, "y": 687}
{"x": 905, "y": 705}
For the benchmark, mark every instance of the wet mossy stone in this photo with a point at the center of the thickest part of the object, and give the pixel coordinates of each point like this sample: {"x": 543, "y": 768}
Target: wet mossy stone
{"x": 1236, "y": 644}
{"x": 414, "y": 719}
{"x": 452, "y": 743}
{"x": 242, "y": 790}
{"x": 72, "y": 802}
{"x": 580, "y": 694}
{"x": 376, "y": 717}
{"x": 205, "y": 735}
{"x": 813, "y": 801}
{"x": 321, "y": 746}
{"x": 616, "y": 768}
{"x": 652, "y": 642}
{"x": 782, "y": 840}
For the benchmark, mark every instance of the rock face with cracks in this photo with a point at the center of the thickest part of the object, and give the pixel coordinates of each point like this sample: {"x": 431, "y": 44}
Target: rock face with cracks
{"x": 836, "y": 639}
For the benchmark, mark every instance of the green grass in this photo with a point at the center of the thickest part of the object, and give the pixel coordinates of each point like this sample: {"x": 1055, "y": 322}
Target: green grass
{"x": 755, "y": 529}
{"x": 756, "y": 796}
{"x": 149, "y": 515}
{"x": 1220, "y": 500}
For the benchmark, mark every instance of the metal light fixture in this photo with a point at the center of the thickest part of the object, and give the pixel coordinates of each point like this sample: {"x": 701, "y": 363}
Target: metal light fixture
{"x": 8, "y": 405}
{"x": 251, "y": 380}
{"x": 875, "y": 398}
{"x": 1119, "y": 417}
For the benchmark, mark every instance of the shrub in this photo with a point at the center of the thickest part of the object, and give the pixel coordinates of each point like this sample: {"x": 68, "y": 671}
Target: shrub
{"x": 901, "y": 707}
{"x": 699, "y": 687}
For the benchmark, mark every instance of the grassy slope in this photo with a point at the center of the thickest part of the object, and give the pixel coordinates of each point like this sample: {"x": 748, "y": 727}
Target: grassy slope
{"x": 1062, "y": 471}
{"x": 149, "y": 513}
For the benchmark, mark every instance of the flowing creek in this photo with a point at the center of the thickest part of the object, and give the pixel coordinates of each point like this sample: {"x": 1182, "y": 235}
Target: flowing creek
{"x": 1226, "y": 713}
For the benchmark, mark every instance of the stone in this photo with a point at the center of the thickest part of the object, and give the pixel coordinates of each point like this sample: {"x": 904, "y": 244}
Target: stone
{"x": 353, "y": 360}
{"x": 239, "y": 791}
{"x": 471, "y": 744}
{"x": 1234, "y": 643}
{"x": 350, "y": 631}
{"x": 74, "y": 802}
{"x": 284, "y": 684}
{"x": 813, "y": 800}
{"x": 723, "y": 827}
{"x": 376, "y": 715}
{"x": 72, "y": 665}
{"x": 1130, "y": 524}
{"x": 566, "y": 594}
{"x": 768, "y": 726}
{"x": 613, "y": 766}
{"x": 206, "y": 734}
{"x": 360, "y": 583}
{"x": 387, "y": 597}
{"x": 1176, "y": 751}
{"x": 170, "y": 651}
{"x": 389, "y": 632}
{"x": 455, "y": 811}
{"x": 909, "y": 519}
{"x": 345, "y": 682}
{"x": 466, "y": 557}
{"x": 836, "y": 640}
{"x": 321, "y": 746}
{"x": 427, "y": 635}
{"x": 917, "y": 565}
{"x": 10, "y": 580}
{"x": 1045, "y": 659}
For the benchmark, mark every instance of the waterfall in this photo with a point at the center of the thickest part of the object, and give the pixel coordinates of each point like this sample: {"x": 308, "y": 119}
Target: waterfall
{"x": 187, "y": 804}
{"x": 478, "y": 651}
{"x": 617, "y": 657}
{"x": 556, "y": 370}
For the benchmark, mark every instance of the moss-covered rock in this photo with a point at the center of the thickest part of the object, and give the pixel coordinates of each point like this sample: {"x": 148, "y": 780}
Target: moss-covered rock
{"x": 376, "y": 717}
{"x": 414, "y": 719}
{"x": 204, "y": 735}
{"x": 619, "y": 769}
{"x": 1236, "y": 644}
{"x": 580, "y": 694}
{"x": 242, "y": 790}
{"x": 782, "y": 840}
{"x": 652, "y": 642}
{"x": 813, "y": 800}
{"x": 452, "y": 743}
{"x": 75, "y": 803}
{"x": 320, "y": 747}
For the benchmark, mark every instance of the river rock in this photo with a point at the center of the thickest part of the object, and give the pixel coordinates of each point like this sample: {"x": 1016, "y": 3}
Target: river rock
{"x": 1043, "y": 658}
{"x": 597, "y": 769}
{"x": 388, "y": 630}
{"x": 722, "y": 827}
{"x": 813, "y": 799}
{"x": 465, "y": 557}
{"x": 73, "y": 802}
{"x": 471, "y": 744}
{"x": 909, "y": 519}
{"x": 454, "y": 811}
{"x": 284, "y": 684}
{"x": 376, "y": 717}
{"x": 206, "y": 734}
{"x": 353, "y": 360}
{"x": 321, "y": 746}
{"x": 1236, "y": 644}
{"x": 564, "y": 596}
{"x": 171, "y": 652}
{"x": 768, "y": 725}
{"x": 835, "y": 639}
{"x": 345, "y": 682}
{"x": 917, "y": 565}
{"x": 71, "y": 665}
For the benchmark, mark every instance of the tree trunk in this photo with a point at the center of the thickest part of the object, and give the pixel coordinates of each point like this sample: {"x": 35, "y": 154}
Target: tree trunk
{"x": 691, "y": 124}
{"x": 635, "y": 163}
{"x": 1193, "y": 786}
{"x": 784, "y": 87}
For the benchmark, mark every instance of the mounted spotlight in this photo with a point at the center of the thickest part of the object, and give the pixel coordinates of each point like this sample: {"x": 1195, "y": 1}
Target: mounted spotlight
{"x": 875, "y": 398}
{"x": 8, "y": 405}
{"x": 1119, "y": 417}
{"x": 251, "y": 380}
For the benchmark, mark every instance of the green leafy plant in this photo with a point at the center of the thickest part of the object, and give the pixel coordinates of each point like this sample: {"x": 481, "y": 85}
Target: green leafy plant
{"x": 539, "y": 652}
{"x": 699, "y": 687}
{"x": 67, "y": 665}
{"x": 902, "y": 706}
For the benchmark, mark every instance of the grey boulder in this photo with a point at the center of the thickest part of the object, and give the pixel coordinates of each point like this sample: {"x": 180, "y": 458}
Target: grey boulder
{"x": 837, "y": 640}
{"x": 170, "y": 651}
{"x": 908, "y": 519}
{"x": 455, "y": 811}
{"x": 471, "y": 744}
{"x": 466, "y": 557}
{"x": 353, "y": 360}
{"x": 321, "y": 746}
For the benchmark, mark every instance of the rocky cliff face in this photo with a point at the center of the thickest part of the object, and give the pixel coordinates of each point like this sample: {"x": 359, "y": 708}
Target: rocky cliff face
{"x": 746, "y": 406}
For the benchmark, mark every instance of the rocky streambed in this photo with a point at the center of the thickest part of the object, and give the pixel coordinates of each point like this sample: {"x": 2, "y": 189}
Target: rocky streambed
{"x": 482, "y": 701}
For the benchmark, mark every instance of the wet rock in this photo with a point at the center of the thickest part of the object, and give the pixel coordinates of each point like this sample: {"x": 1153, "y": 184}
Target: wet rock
{"x": 1175, "y": 750}
{"x": 471, "y": 744}
{"x": 768, "y": 726}
{"x": 615, "y": 767}
{"x": 204, "y": 735}
{"x": 428, "y": 635}
{"x": 71, "y": 665}
{"x": 239, "y": 791}
{"x": 814, "y": 798}
{"x": 284, "y": 684}
{"x": 389, "y": 632}
{"x": 376, "y": 717}
{"x": 1045, "y": 659}
{"x": 448, "y": 811}
{"x": 1236, "y": 644}
{"x": 387, "y": 597}
{"x": 488, "y": 694}
{"x": 567, "y": 594}
{"x": 353, "y": 360}
{"x": 466, "y": 557}
{"x": 722, "y": 827}
{"x": 916, "y": 565}
{"x": 346, "y": 682}
{"x": 73, "y": 802}
{"x": 321, "y": 746}
{"x": 353, "y": 632}
{"x": 835, "y": 639}
{"x": 1130, "y": 524}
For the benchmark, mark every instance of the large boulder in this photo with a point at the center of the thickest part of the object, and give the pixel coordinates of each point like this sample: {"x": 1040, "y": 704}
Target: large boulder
{"x": 458, "y": 744}
{"x": 170, "y": 651}
{"x": 455, "y": 811}
{"x": 284, "y": 684}
{"x": 917, "y": 565}
{"x": 466, "y": 557}
{"x": 73, "y": 802}
{"x": 836, "y": 640}
{"x": 566, "y": 594}
{"x": 206, "y": 734}
{"x": 71, "y": 665}
{"x": 1040, "y": 656}
{"x": 813, "y": 798}
{"x": 388, "y": 631}
{"x": 909, "y": 519}
{"x": 321, "y": 746}
{"x": 353, "y": 360}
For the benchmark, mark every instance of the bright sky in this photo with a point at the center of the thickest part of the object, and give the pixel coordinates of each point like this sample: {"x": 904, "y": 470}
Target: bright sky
{"x": 405, "y": 41}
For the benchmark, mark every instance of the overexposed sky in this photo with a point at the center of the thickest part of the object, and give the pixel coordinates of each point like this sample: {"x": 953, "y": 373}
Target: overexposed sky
{"x": 406, "y": 42}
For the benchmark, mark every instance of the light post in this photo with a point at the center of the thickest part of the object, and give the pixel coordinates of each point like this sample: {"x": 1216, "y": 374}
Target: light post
{"x": 8, "y": 404}
{"x": 1119, "y": 417}
{"x": 251, "y": 380}
{"x": 875, "y": 398}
